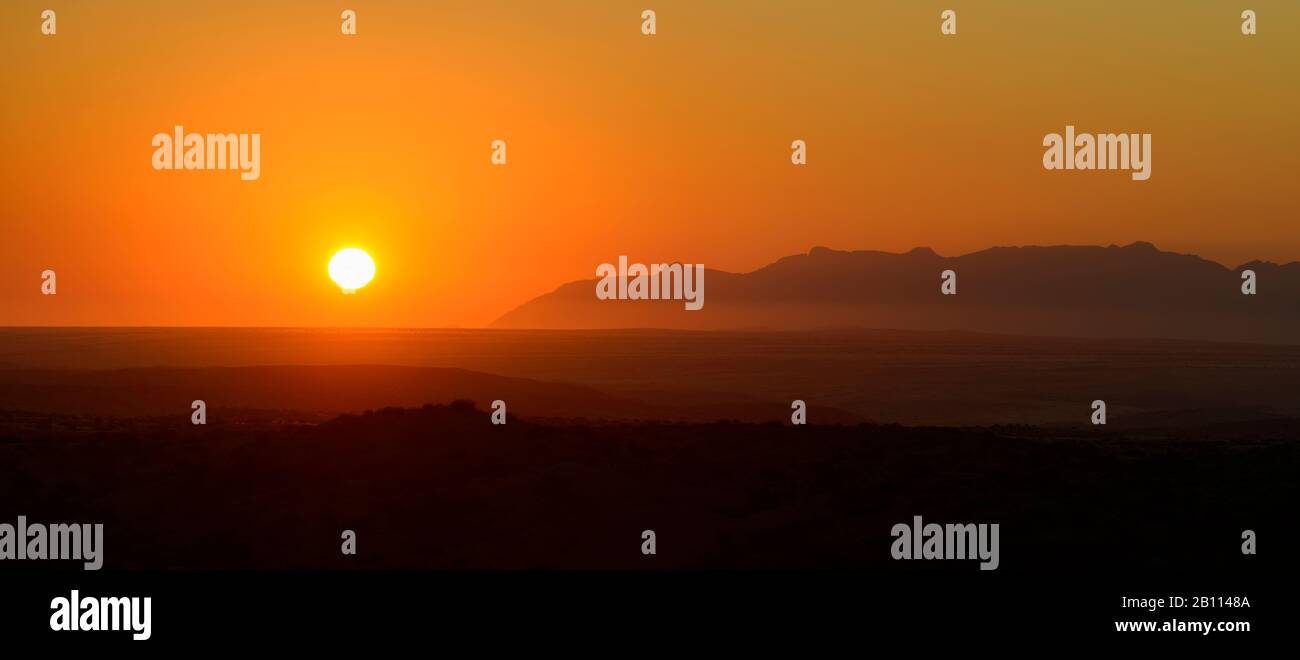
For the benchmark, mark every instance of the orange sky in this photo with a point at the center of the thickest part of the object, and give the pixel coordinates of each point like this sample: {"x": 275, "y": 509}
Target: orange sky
{"x": 671, "y": 147}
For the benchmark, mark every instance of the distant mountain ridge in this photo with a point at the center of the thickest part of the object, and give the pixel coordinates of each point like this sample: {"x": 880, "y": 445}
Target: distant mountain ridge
{"x": 1135, "y": 290}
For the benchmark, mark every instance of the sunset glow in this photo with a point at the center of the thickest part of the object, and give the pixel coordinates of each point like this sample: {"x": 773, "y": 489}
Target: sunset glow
{"x": 667, "y": 148}
{"x": 351, "y": 269}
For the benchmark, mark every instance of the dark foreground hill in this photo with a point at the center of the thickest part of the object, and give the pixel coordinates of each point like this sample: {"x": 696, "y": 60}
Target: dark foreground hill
{"x": 1070, "y": 291}
{"x": 440, "y": 487}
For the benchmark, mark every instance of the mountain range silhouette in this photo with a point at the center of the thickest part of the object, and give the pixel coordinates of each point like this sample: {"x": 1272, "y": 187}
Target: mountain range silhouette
{"x": 1136, "y": 290}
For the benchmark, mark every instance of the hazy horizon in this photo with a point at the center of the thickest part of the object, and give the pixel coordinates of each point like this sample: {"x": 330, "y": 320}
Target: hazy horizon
{"x": 559, "y": 285}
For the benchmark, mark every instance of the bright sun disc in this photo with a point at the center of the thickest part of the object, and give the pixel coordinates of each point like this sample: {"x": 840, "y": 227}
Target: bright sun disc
{"x": 352, "y": 269}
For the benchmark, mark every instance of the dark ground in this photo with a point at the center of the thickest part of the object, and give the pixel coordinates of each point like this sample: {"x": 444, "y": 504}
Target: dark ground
{"x": 441, "y": 487}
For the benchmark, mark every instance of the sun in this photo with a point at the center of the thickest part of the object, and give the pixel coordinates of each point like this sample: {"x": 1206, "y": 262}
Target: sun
{"x": 351, "y": 269}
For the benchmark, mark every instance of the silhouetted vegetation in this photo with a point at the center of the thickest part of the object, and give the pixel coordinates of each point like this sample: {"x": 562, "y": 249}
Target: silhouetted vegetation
{"x": 440, "y": 486}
